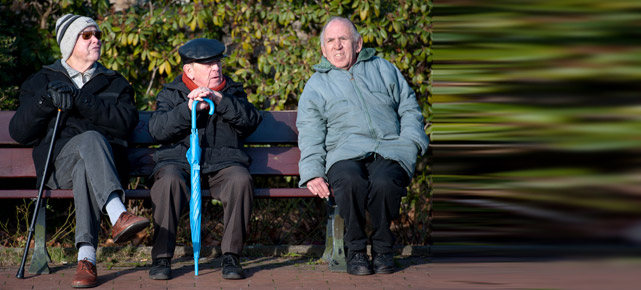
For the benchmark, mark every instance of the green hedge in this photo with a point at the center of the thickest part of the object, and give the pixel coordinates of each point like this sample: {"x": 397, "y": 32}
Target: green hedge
{"x": 272, "y": 44}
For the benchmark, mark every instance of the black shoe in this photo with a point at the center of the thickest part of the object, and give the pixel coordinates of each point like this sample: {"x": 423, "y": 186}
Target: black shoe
{"x": 160, "y": 269}
{"x": 231, "y": 267}
{"x": 358, "y": 263}
{"x": 383, "y": 263}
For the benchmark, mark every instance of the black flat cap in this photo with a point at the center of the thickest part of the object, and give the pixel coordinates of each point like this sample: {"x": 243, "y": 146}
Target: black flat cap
{"x": 201, "y": 50}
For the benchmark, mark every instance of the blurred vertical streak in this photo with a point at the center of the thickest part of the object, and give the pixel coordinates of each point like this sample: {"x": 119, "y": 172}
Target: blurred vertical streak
{"x": 537, "y": 122}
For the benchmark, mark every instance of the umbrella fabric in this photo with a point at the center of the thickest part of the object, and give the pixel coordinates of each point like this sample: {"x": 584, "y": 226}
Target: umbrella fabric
{"x": 193, "y": 157}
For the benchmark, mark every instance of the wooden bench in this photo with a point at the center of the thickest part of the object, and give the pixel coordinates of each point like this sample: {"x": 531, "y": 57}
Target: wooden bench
{"x": 278, "y": 155}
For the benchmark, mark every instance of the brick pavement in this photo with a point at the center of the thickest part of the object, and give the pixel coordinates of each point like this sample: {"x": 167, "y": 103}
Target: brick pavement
{"x": 413, "y": 273}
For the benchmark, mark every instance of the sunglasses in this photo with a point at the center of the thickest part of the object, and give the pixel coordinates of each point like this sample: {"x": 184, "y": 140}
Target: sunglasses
{"x": 86, "y": 35}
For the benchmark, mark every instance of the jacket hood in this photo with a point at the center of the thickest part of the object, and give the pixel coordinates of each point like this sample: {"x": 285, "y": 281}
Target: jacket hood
{"x": 325, "y": 65}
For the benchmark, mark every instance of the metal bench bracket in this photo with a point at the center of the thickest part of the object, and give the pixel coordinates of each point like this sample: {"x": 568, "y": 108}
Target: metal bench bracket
{"x": 334, "y": 245}
{"x": 40, "y": 257}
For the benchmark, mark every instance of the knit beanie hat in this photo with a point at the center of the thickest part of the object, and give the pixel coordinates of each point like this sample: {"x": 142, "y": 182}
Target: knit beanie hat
{"x": 67, "y": 29}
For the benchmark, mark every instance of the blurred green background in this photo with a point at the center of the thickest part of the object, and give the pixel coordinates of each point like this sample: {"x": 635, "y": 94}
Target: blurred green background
{"x": 537, "y": 122}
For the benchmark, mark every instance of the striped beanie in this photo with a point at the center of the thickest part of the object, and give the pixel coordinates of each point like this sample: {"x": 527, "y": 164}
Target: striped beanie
{"x": 67, "y": 29}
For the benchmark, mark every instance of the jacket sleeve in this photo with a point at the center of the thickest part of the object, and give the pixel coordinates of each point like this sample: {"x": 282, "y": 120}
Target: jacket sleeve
{"x": 312, "y": 130}
{"x": 113, "y": 110}
{"x": 237, "y": 111}
{"x": 411, "y": 118}
{"x": 171, "y": 121}
{"x": 30, "y": 122}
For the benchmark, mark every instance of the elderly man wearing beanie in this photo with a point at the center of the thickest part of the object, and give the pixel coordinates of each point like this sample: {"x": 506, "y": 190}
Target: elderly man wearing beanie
{"x": 97, "y": 115}
{"x": 224, "y": 164}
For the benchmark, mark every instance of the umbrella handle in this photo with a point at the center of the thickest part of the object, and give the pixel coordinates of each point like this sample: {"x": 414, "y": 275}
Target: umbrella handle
{"x": 193, "y": 111}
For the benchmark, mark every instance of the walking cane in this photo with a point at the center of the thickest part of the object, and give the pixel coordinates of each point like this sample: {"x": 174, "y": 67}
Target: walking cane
{"x": 20, "y": 274}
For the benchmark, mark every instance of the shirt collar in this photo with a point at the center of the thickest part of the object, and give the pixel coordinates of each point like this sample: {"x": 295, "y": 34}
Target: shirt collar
{"x": 80, "y": 79}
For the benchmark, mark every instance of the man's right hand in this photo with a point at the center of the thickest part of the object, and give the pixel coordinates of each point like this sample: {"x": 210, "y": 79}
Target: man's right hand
{"x": 61, "y": 94}
{"x": 318, "y": 186}
{"x": 198, "y": 95}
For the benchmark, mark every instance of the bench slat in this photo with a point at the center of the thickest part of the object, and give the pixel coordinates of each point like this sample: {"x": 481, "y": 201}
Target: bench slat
{"x": 17, "y": 162}
{"x": 144, "y": 193}
{"x": 277, "y": 127}
{"x": 5, "y": 138}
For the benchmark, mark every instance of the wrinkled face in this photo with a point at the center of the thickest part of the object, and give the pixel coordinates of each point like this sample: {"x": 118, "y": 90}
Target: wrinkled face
{"x": 209, "y": 75}
{"x": 339, "y": 47}
{"x": 87, "y": 50}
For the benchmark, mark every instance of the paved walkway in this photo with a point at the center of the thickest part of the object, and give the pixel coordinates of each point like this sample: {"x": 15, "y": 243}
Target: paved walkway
{"x": 413, "y": 273}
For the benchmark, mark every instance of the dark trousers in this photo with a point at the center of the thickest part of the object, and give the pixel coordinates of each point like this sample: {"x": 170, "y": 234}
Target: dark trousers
{"x": 375, "y": 185}
{"x": 171, "y": 192}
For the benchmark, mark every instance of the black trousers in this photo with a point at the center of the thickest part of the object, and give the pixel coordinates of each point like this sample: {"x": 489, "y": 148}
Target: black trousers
{"x": 375, "y": 185}
{"x": 170, "y": 194}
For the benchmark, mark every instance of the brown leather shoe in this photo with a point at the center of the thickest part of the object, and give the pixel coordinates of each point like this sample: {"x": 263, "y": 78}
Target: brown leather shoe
{"x": 86, "y": 275}
{"x": 127, "y": 226}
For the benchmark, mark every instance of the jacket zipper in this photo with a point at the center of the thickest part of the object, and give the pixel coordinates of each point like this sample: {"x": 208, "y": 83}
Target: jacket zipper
{"x": 367, "y": 114}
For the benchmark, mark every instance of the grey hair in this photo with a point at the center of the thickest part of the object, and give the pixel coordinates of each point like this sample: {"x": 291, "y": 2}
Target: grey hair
{"x": 355, "y": 35}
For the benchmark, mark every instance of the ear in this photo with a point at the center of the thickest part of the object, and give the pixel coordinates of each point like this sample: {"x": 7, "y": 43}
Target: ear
{"x": 359, "y": 45}
{"x": 323, "y": 51}
{"x": 188, "y": 69}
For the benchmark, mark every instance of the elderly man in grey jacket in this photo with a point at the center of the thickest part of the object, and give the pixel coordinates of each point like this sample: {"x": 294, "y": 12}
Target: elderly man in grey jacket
{"x": 360, "y": 130}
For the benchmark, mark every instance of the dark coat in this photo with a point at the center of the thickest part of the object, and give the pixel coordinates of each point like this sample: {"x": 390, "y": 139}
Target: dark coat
{"x": 221, "y": 135}
{"x": 105, "y": 104}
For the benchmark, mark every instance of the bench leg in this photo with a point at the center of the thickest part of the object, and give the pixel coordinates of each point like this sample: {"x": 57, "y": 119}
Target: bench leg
{"x": 40, "y": 257}
{"x": 334, "y": 246}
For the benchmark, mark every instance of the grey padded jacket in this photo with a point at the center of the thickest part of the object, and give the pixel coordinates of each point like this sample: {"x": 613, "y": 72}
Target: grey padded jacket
{"x": 351, "y": 114}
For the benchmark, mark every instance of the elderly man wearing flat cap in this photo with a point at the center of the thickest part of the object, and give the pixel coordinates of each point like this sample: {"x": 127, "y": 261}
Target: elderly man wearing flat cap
{"x": 224, "y": 164}
{"x": 97, "y": 115}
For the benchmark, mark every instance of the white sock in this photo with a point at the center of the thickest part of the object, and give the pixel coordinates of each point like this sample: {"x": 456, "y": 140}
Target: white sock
{"x": 114, "y": 207}
{"x": 87, "y": 251}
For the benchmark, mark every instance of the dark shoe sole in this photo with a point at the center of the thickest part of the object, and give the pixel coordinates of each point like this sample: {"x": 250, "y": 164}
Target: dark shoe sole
{"x": 160, "y": 276}
{"x": 85, "y": 285}
{"x": 360, "y": 272}
{"x": 130, "y": 232}
{"x": 233, "y": 276}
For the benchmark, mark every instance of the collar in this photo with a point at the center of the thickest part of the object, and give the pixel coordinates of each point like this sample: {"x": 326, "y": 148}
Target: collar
{"x": 79, "y": 78}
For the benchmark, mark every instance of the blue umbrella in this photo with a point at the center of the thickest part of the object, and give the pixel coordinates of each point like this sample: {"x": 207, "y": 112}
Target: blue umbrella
{"x": 193, "y": 157}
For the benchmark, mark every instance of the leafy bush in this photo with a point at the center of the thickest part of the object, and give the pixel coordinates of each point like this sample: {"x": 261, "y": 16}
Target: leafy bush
{"x": 271, "y": 44}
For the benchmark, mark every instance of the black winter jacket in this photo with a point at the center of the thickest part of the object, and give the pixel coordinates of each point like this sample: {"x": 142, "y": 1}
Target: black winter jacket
{"x": 106, "y": 104}
{"x": 221, "y": 135}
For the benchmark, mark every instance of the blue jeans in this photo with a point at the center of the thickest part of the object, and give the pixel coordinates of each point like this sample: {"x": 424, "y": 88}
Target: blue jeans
{"x": 86, "y": 164}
